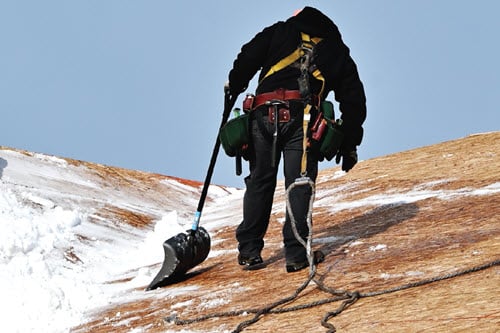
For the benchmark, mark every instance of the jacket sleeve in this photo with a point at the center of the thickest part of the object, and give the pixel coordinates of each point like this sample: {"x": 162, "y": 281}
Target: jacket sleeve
{"x": 350, "y": 94}
{"x": 352, "y": 103}
{"x": 250, "y": 60}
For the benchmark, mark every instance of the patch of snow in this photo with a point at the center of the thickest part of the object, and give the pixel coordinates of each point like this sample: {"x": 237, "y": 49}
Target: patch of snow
{"x": 53, "y": 159}
{"x": 378, "y": 247}
{"x": 414, "y": 273}
{"x": 182, "y": 304}
{"x": 387, "y": 276}
{"x": 414, "y": 195}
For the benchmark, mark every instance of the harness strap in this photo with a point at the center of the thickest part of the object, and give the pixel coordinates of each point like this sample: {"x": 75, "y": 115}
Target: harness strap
{"x": 307, "y": 42}
{"x": 305, "y": 126}
{"x": 288, "y": 60}
{"x": 317, "y": 74}
{"x": 307, "y": 45}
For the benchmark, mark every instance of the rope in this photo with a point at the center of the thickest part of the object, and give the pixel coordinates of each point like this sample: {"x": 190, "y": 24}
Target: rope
{"x": 348, "y": 298}
{"x": 304, "y": 181}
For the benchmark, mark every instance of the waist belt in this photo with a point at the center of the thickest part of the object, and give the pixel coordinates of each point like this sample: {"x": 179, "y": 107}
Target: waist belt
{"x": 279, "y": 94}
{"x": 282, "y": 95}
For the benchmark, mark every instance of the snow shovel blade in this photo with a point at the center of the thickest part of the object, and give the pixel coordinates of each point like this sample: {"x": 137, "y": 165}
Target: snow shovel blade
{"x": 182, "y": 252}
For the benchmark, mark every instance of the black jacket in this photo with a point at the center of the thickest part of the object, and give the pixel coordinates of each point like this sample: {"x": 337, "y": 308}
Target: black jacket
{"x": 331, "y": 57}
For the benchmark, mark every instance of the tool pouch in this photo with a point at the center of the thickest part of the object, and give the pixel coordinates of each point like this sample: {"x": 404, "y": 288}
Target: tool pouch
{"x": 248, "y": 103}
{"x": 327, "y": 133}
{"x": 234, "y": 136}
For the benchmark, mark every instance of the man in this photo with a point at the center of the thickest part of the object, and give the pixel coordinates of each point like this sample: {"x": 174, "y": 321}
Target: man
{"x": 284, "y": 92}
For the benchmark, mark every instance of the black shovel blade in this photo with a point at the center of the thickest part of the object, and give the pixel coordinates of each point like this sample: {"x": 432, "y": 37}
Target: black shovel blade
{"x": 182, "y": 252}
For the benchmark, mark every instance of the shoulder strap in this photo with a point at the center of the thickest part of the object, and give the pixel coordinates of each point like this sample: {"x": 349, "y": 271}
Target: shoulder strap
{"x": 307, "y": 44}
{"x": 308, "y": 41}
{"x": 288, "y": 60}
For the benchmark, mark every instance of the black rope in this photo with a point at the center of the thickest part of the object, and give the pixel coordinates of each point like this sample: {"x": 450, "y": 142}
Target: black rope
{"x": 348, "y": 298}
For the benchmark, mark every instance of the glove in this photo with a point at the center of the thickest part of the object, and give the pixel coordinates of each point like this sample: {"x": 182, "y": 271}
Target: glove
{"x": 227, "y": 90}
{"x": 349, "y": 159}
{"x": 231, "y": 90}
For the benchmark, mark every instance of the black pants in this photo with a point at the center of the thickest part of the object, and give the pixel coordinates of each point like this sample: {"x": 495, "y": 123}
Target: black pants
{"x": 261, "y": 184}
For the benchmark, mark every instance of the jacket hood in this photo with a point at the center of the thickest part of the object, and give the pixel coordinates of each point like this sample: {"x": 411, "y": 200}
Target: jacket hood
{"x": 312, "y": 21}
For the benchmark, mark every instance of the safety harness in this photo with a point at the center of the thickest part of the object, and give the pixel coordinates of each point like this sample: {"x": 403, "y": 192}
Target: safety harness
{"x": 303, "y": 55}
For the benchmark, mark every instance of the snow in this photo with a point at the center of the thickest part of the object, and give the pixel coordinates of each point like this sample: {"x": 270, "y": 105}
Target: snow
{"x": 378, "y": 247}
{"x": 34, "y": 285}
{"x": 56, "y": 259}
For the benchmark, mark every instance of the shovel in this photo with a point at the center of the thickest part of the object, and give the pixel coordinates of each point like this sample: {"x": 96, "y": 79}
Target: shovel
{"x": 186, "y": 250}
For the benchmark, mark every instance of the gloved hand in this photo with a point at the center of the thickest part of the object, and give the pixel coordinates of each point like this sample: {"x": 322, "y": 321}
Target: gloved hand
{"x": 349, "y": 159}
{"x": 227, "y": 90}
{"x": 231, "y": 90}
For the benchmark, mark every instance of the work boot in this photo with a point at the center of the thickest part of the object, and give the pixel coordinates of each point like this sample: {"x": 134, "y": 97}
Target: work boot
{"x": 318, "y": 257}
{"x": 251, "y": 262}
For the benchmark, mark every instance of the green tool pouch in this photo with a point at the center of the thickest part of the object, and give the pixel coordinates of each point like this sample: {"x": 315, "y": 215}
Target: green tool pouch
{"x": 328, "y": 133}
{"x": 332, "y": 140}
{"x": 234, "y": 135}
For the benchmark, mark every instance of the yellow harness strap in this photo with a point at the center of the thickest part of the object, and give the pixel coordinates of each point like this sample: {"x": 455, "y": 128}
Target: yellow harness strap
{"x": 317, "y": 74}
{"x": 305, "y": 127}
{"x": 307, "y": 41}
{"x": 288, "y": 60}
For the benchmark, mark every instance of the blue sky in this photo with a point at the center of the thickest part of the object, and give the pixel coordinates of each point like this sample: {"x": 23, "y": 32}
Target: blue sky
{"x": 139, "y": 84}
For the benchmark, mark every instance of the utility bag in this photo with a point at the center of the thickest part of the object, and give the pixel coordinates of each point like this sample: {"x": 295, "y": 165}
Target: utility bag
{"x": 234, "y": 135}
{"x": 327, "y": 132}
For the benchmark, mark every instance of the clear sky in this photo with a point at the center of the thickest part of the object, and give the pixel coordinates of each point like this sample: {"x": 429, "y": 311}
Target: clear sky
{"x": 139, "y": 84}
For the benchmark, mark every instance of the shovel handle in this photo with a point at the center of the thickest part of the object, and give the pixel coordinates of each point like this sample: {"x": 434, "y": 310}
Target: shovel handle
{"x": 238, "y": 164}
{"x": 229, "y": 101}
{"x": 275, "y": 136}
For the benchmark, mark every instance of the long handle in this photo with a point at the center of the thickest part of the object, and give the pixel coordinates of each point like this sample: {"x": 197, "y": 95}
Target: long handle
{"x": 275, "y": 134}
{"x": 229, "y": 101}
{"x": 238, "y": 164}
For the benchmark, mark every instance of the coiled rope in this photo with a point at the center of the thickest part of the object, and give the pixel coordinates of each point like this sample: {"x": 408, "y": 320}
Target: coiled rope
{"x": 303, "y": 181}
{"x": 348, "y": 298}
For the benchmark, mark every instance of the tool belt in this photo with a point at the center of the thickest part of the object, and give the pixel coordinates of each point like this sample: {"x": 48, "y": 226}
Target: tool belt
{"x": 252, "y": 102}
{"x": 279, "y": 94}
